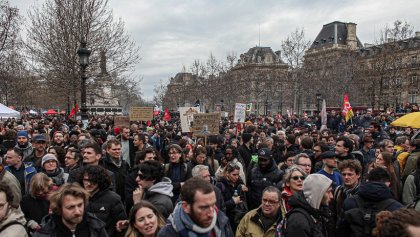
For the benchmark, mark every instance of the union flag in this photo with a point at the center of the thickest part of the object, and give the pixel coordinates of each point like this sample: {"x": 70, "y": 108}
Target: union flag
{"x": 347, "y": 110}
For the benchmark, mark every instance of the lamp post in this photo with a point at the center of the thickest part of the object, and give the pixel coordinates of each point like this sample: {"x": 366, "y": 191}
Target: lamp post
{"x": 318, "y": 100}
{"x": 84, "y": 54}
{"x": 222, "y": 107}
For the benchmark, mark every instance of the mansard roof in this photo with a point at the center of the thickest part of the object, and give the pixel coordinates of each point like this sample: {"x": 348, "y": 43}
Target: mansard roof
{"x": 327, "y": 35}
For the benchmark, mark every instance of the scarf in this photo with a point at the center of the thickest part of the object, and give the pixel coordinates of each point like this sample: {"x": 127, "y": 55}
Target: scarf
{"x": 186, "y": 227}
{"x": 351, "y": 191}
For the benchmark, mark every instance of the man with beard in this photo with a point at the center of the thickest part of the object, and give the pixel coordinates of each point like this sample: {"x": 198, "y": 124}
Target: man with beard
{"x": 127, "y": 146}
{"x": 58, "y": 139}
{"x": 69, "y": 217}
{"x": 262, "y": 221}
{"x": 39, "y": 143}
{"x": 196, "y": 214}
{"x": 23, "y": 143}
{"x": 264, "y": 174}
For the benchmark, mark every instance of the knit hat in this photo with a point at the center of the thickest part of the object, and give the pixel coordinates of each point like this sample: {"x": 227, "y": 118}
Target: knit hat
{"x": 176, "y": 146}
{"x": 246, "y": 137}
{"x": 22, "y": 133}
{"x": 314, "y": 188}
{"x": 48, "y": 157}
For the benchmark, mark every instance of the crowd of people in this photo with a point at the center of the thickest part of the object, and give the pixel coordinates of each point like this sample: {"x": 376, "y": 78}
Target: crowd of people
{"x": 269, "y": 176}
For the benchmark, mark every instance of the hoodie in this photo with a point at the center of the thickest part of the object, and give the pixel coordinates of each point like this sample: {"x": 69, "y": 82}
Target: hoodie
{"x": 314, "y": 188}
{"x": 160, "y": 195}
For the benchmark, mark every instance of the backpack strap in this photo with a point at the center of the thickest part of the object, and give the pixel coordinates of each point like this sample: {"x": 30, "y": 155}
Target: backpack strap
{"x": 10, "y": 224}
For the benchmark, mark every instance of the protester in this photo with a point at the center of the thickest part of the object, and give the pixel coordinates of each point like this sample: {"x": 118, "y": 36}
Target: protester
{"x": 196, "y": 214}
{"x": 69, "y": 217}
{"x": 12, "y": 220}
{"x": 50, "y": 167}
{"x": 293, "y": 183}
{"x": 402, "y": 222}
{"x": 22, "y": 171}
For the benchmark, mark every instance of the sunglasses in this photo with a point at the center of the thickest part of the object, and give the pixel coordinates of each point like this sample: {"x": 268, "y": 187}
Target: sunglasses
{"x": 296, "y": 178}
{"x": 141, "y": 176}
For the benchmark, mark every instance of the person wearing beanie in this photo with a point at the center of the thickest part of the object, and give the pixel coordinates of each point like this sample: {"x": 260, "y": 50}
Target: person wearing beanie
{"x": 309, "y": 208}
{"x": 50, "y": 167}
{"x": 246, "y": 150}
{"x": 23, "y": 143}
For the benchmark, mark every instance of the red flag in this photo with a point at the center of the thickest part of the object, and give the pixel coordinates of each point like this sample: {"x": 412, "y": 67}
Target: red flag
{"x": 149, "y": 123}
{"x": 347, "y": 110}
{"x": 74, "y": 111}
{"x": 166, "y": 116}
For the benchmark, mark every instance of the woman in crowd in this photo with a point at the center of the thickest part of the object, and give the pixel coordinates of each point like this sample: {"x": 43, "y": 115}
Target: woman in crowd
{"x": 233, "y": 189}
{"x": 103, "y": 202}
{"x": 36, "y": 204}
{"x": 200, "y": 158}
{"x": 144, "y": 221}
{"x": 292, "y": 182}
{"x": 50, "y": 167}
{"x": 59, "y": 153}
{"x": 385, "y": 160}
{"x": 177, "y": 170}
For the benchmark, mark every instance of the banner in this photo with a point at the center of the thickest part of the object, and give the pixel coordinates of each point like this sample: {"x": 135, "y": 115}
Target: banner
{"x": 347, "y": 110}
{"x": 240, "y": 112}
{"x": 186, "y": 115}
{"x": 166, "y": 116}
{"x": 206, "y": 124}
{"x": 120, "y": 121}
{"x": 141, "y": 113}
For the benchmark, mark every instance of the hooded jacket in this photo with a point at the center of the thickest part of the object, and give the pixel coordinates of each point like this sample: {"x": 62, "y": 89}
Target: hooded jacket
{"x": 27, "y": 150}
{"x": 259, "y": 179}
{"x": 306, "y": 217}
{"x": 17, "y": 229}
{"x": 160, "y": 195}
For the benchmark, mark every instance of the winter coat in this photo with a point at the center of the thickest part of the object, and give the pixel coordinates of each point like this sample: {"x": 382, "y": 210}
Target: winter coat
{"x": 222, "y": 224}
{"x": 58, "y": 177}
{"x": 369, "y": 192}
{"x": 411, "y": 164}
{"x": 29, "y": 172}
{"x": 305, "y": 221}
{"x": 34, "y": 208}
{"x": 107, "y": 206}
{"x": 14, "y": 230}
{"x": 251, "y": 225}
{"x": 227, "y": 191}
{"x": 177, "y": 173}
{"x": 120, "y": 172}
{"x": 246, "y": 154}
{"x": 27, "y": 150}
{"x": 160, "y": 195}
{"x": 259, "y": 179}
{"x": 51, "y": 227}
{"x": 10, "y": 179}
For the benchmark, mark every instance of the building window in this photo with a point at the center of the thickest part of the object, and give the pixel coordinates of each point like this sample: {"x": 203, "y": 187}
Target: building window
{"x": 414, "y": 80}
{"x": 412, "y": 97}
{"x": 413, "y": 60}
{"x": 398, "y": 82}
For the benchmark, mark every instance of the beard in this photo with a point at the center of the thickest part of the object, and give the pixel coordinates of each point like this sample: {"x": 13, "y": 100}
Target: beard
{"x": 73, "y": 220}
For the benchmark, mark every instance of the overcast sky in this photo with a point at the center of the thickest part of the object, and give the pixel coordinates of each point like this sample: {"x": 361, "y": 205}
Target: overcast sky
{"x": 173, "y": 33}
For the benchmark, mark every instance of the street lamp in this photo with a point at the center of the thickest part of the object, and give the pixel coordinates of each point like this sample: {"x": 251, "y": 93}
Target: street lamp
{"x": 222, "y": 108}
{"x": 84, "y": 54}
{"x": 318, "y": 101}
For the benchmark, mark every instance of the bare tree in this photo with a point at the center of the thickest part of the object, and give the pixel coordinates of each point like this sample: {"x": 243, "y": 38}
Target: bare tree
{"x": 54, "y": 35}
{"x": 293, "y": 49}
{"x": 160, "y": 91}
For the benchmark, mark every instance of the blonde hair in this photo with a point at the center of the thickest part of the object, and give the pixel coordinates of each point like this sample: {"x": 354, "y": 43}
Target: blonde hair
{"x": 72, "y": 189}
{"x": 39, "y": 183}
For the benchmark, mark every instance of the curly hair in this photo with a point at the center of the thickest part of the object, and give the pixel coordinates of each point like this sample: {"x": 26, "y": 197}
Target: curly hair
{"x": 97, "y": 175}
{"x": 151, "y": 170}
{"x": 72, "y": 189}
{"x": 390, "y": 224}
{"x": 350, "y": 164}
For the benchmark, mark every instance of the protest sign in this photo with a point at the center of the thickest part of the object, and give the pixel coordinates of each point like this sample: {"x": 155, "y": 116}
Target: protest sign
{"x": 120, "y": 121}
{"x": 240, "y": 110}
{"x": 206, "y": 124}
{"x": 141, "y": 113}
{"x": 187, "y": 117}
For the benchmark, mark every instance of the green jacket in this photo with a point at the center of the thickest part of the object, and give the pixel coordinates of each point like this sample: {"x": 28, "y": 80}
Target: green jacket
{"x": 251, "y": 225}
{"x": 411, "y": 164}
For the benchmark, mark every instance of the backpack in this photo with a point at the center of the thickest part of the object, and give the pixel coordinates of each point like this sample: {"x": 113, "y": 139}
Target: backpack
{"x": 281, "y": 229}
{"x": 362, "y": 219}
{"x": 10, "y": 224}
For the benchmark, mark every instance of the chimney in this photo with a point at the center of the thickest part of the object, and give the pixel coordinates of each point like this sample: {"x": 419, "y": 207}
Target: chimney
{"x": 351, "y": 35}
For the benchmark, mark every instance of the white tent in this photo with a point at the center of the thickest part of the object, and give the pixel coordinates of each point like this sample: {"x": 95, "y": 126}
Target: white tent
{"x": 33, "y": 112}
{"x": 6, "y": 112}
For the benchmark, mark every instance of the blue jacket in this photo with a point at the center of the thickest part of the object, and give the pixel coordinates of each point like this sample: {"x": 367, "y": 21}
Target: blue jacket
{"x": 29, "y": 172}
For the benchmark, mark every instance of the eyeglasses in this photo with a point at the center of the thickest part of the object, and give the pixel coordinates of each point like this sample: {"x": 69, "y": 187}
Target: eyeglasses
{"x": 141, "y": 176}
{"x": 269, "y": 202}
{"x": 296, "y": 178}
{"x": 305, "y": 165}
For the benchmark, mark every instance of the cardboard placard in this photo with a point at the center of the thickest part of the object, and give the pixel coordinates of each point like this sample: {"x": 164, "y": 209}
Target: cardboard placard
{"x": 120, "y": 121}
{"x": 206, "y": 124}
{"x": 141, "y": 113}
{"x": 187, "y": 117}
{"x": 240, "y": 112}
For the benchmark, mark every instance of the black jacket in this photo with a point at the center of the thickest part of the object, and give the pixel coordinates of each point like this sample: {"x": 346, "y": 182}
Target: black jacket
{"x": 184, "y": 174}
{"x": 259, "y": 179}
{"x": 119, "y": 173}
{"x": 245, "y": 154}
{"x": 107, "y": 206}
{"x": 53, "y": 226}
{"x": 303, "y": 220}
{"x": 34, "y": 208}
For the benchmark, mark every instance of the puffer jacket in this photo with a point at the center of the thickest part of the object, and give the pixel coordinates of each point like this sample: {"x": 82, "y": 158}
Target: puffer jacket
{"x": 28, "y": 173}
{"x": 107, "y": 206}
{"x": 259, "y": 179}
